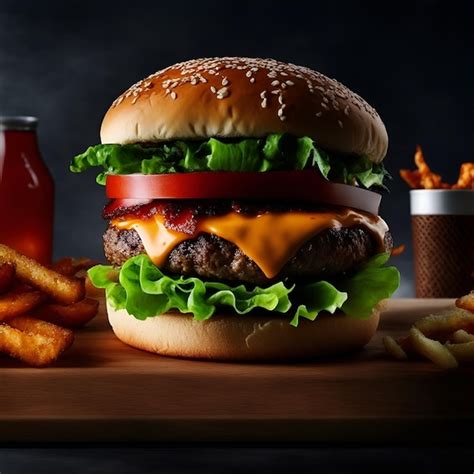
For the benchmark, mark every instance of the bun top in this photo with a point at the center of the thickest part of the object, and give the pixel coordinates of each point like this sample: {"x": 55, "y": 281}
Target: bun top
{"x": 245, "y": 97}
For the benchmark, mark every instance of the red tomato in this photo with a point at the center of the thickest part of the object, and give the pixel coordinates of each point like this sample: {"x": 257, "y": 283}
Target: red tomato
{"x": 303, "y": 186}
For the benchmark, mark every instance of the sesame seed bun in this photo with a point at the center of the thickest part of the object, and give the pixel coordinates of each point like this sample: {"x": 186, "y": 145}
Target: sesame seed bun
{"x": 248, "y": 337}
{"x": 245, "y": 97}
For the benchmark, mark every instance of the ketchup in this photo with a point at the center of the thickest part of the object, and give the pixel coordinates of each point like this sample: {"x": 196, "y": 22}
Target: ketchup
{"x": 26, "y": 190}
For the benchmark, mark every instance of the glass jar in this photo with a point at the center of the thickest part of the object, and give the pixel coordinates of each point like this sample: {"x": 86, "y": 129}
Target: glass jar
{"x": 26, "y": 190}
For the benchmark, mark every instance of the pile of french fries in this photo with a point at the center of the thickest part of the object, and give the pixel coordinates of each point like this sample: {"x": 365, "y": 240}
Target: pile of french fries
{"x": 424, "y": 178}
{"x": 39, "y": 306}
{"x": 445, "y": 338}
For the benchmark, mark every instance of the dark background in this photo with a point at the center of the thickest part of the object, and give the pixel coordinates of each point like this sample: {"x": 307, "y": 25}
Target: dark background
{"x": 65, "y": 62}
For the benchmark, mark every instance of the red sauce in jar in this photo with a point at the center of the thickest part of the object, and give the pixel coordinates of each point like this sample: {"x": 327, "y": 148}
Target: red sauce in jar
{"x": 26, "y": 190}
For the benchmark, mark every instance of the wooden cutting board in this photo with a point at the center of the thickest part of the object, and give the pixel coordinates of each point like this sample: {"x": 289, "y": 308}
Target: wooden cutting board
{"x": 103, "y": 390}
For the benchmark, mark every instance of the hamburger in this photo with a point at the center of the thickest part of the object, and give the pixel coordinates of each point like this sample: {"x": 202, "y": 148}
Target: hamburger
{"x": 243, "y": 212}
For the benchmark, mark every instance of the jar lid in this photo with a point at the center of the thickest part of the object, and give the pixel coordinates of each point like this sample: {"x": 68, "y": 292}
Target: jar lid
{"x": 439, "y": 202}
{"x": 18, "y": 123}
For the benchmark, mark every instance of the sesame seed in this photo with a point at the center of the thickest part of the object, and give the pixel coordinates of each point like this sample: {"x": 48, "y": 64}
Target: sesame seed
{"x": 211, "y": 72}
{"x": 264, "y": 103}
{"x": 280, "y": 99}
{"x": 193, "y": 81}
{"x": 283, "y": 73}
{"x": 248, "y": 73}
{"x": 325, "y": 99}
{"x": 175, "y": 83}
{"x": 282, "y": 118}
{"x": 252, "y": 80}
{"x": 263, "y": 94}
{"x": 254, "y": 69}
{"x": 318, "y": 114}
{"x": 340, "y": 124}
{"x": 174, "y": 96}
{"x": 134, "y": 100}
{"x": 225, "y": 81}
{"x": 280, "y": 112}
{"x": 213, "y": 89}
{"x": 275, "y": 83}
{"x": 203, "y": 79}
{"x": 283, "y": 85}
{"x": 290, "y": 83}
{"x": 275, "y": 91}
{"x": 223, "y": 92}
{"x": 346, "y": 110}
{"x": 167, "y": 91}
{"x": 324, "y": 106}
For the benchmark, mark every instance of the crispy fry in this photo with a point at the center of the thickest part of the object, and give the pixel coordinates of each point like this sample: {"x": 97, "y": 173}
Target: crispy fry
{"x": 71, "y": 316}
{"x": 412, "y": 178}
{"x": 460, "y": 337}
{"x": 63, "y": 289}
{"x": 443, "y": 324}
{"x": 394, "y": 349}
{"x": 64, "y": 266}
{"x": 398, "y": 250}
{"x": 466, "y": 302}
{"x": 7, "y": 276}
{"x": 424, "y": 178}
{"x": 466, "y": 177}
{"x": 69, "y": 266}
{"x": 27, "y": 324}
{"x": 432, "y": 350}
{"x": 464, "y": 352}
{"x": 34, "y": 349}
{"x": 15, "y": 304}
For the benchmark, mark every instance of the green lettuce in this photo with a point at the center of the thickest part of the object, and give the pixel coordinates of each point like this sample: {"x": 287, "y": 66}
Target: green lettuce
{"x": 143, "y": 290}
{"x": 274, "y": 152}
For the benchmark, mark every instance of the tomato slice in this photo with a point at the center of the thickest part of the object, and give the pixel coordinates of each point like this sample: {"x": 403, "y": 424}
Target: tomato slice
{"x": 304, "y": 186}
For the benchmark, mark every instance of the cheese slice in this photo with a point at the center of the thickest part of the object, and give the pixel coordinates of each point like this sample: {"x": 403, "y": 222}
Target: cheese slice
{"x": 270, "y": 239}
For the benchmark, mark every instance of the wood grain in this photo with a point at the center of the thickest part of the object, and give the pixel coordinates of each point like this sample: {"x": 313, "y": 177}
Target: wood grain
{"x": 103, "y": 390}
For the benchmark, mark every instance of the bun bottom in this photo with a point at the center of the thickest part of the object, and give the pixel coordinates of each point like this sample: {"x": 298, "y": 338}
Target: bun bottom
{"x": 243, "y": 338}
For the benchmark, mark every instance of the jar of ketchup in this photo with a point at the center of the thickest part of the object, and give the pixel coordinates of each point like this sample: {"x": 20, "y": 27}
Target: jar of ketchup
{"x": 26, "y": 190}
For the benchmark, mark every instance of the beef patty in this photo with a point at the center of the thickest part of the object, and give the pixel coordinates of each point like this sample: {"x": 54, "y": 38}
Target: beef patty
{"x": 330, "y": 253}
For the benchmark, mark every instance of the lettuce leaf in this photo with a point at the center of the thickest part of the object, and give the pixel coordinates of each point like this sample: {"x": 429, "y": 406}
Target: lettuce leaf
{"x": 274, "y": 152}
{"x": 145, "y": 291}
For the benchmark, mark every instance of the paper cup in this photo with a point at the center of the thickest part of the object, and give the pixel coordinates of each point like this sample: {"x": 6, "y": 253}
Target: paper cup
{"x": 443, "y": 242}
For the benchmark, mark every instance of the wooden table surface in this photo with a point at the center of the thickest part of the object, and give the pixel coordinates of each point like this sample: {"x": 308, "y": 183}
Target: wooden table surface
{"x": 103, "y": 390}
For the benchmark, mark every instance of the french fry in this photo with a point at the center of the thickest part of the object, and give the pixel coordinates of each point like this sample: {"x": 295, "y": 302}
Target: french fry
{"x": 397, "y": 250}
{"x": 412, "y": 178}
{"x": 60, "y": 288}
{"x": 69, "y": 266}
{"x": 7, "y": 277}
{"x": 63, "y": 337}
{"x": 71, "y": 316}
{"x": 466, "y": 177}
{"x": 34, "y": 349}
{"x": 424, "y": 178}
{"x": 64, "y": 266}
{"x": 394, "y": 349}
{"x": 443, "y": 324}
{"x": 466, "y": 302}
{"x": 461, "y": 336}
{"x": 15, "y": 304}
{"x": 463, "y": 352}
{"x": 432, "y": 350}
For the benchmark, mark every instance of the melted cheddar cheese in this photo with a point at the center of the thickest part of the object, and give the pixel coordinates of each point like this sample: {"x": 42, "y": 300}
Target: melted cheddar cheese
{"x": 269, "y": 239}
